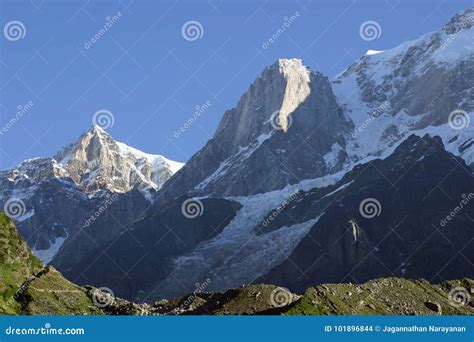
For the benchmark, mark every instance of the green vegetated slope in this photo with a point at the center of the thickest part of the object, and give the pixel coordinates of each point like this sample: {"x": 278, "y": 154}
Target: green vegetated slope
{"x": 27, "y": 287}
{"x": 387, "y": 296}
{"x": 17, "y": 263}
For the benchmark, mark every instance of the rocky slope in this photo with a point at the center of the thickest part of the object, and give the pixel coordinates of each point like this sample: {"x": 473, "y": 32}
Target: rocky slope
{"x": 51, "y": 199}
{"x": 388, "y": 296}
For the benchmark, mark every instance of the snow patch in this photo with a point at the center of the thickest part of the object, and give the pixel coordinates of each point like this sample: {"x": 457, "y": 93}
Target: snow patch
{"x": 373, "y": 52}
{"x": 234, "y": 161}
{"x": 46, "y": 255}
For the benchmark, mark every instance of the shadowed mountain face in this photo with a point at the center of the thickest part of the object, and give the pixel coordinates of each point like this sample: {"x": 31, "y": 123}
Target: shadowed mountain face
{"x": 401, "y": 230}
{"x": 142, "y": 255}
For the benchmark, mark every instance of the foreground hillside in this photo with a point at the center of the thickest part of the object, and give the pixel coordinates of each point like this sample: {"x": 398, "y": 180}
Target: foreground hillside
{"x": 29, "y": 288}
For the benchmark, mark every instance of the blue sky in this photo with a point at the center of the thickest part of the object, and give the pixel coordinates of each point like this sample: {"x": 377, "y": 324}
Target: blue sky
{"x": 144, "y": 72}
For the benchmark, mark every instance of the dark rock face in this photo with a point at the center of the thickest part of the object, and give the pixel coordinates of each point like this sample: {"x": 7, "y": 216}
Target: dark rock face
{"x": 108, "y": 216}
{"x": 57, "y": 205}
{"x": 60, "y": 210}
{"x": 417, "y": 187}
{"x": 140, "y": 257}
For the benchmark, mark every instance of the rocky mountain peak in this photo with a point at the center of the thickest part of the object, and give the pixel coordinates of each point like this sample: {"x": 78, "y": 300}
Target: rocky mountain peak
{"x": 95, "y": 139}
{"x": 292, "y": 65}
{"x": 96, "y": 161}
{"x": 277, "y": 93}
{"x": 279, "y": 132}
{"x": 84, "y": 173}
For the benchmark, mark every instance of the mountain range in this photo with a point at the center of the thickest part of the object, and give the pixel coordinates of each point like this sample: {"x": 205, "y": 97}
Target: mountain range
{"x": 307, "y": 180}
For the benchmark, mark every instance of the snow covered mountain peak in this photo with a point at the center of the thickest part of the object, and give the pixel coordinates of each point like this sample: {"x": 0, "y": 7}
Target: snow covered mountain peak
{"x": 411, "y": 88}
{"x": 97, "y": 162}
